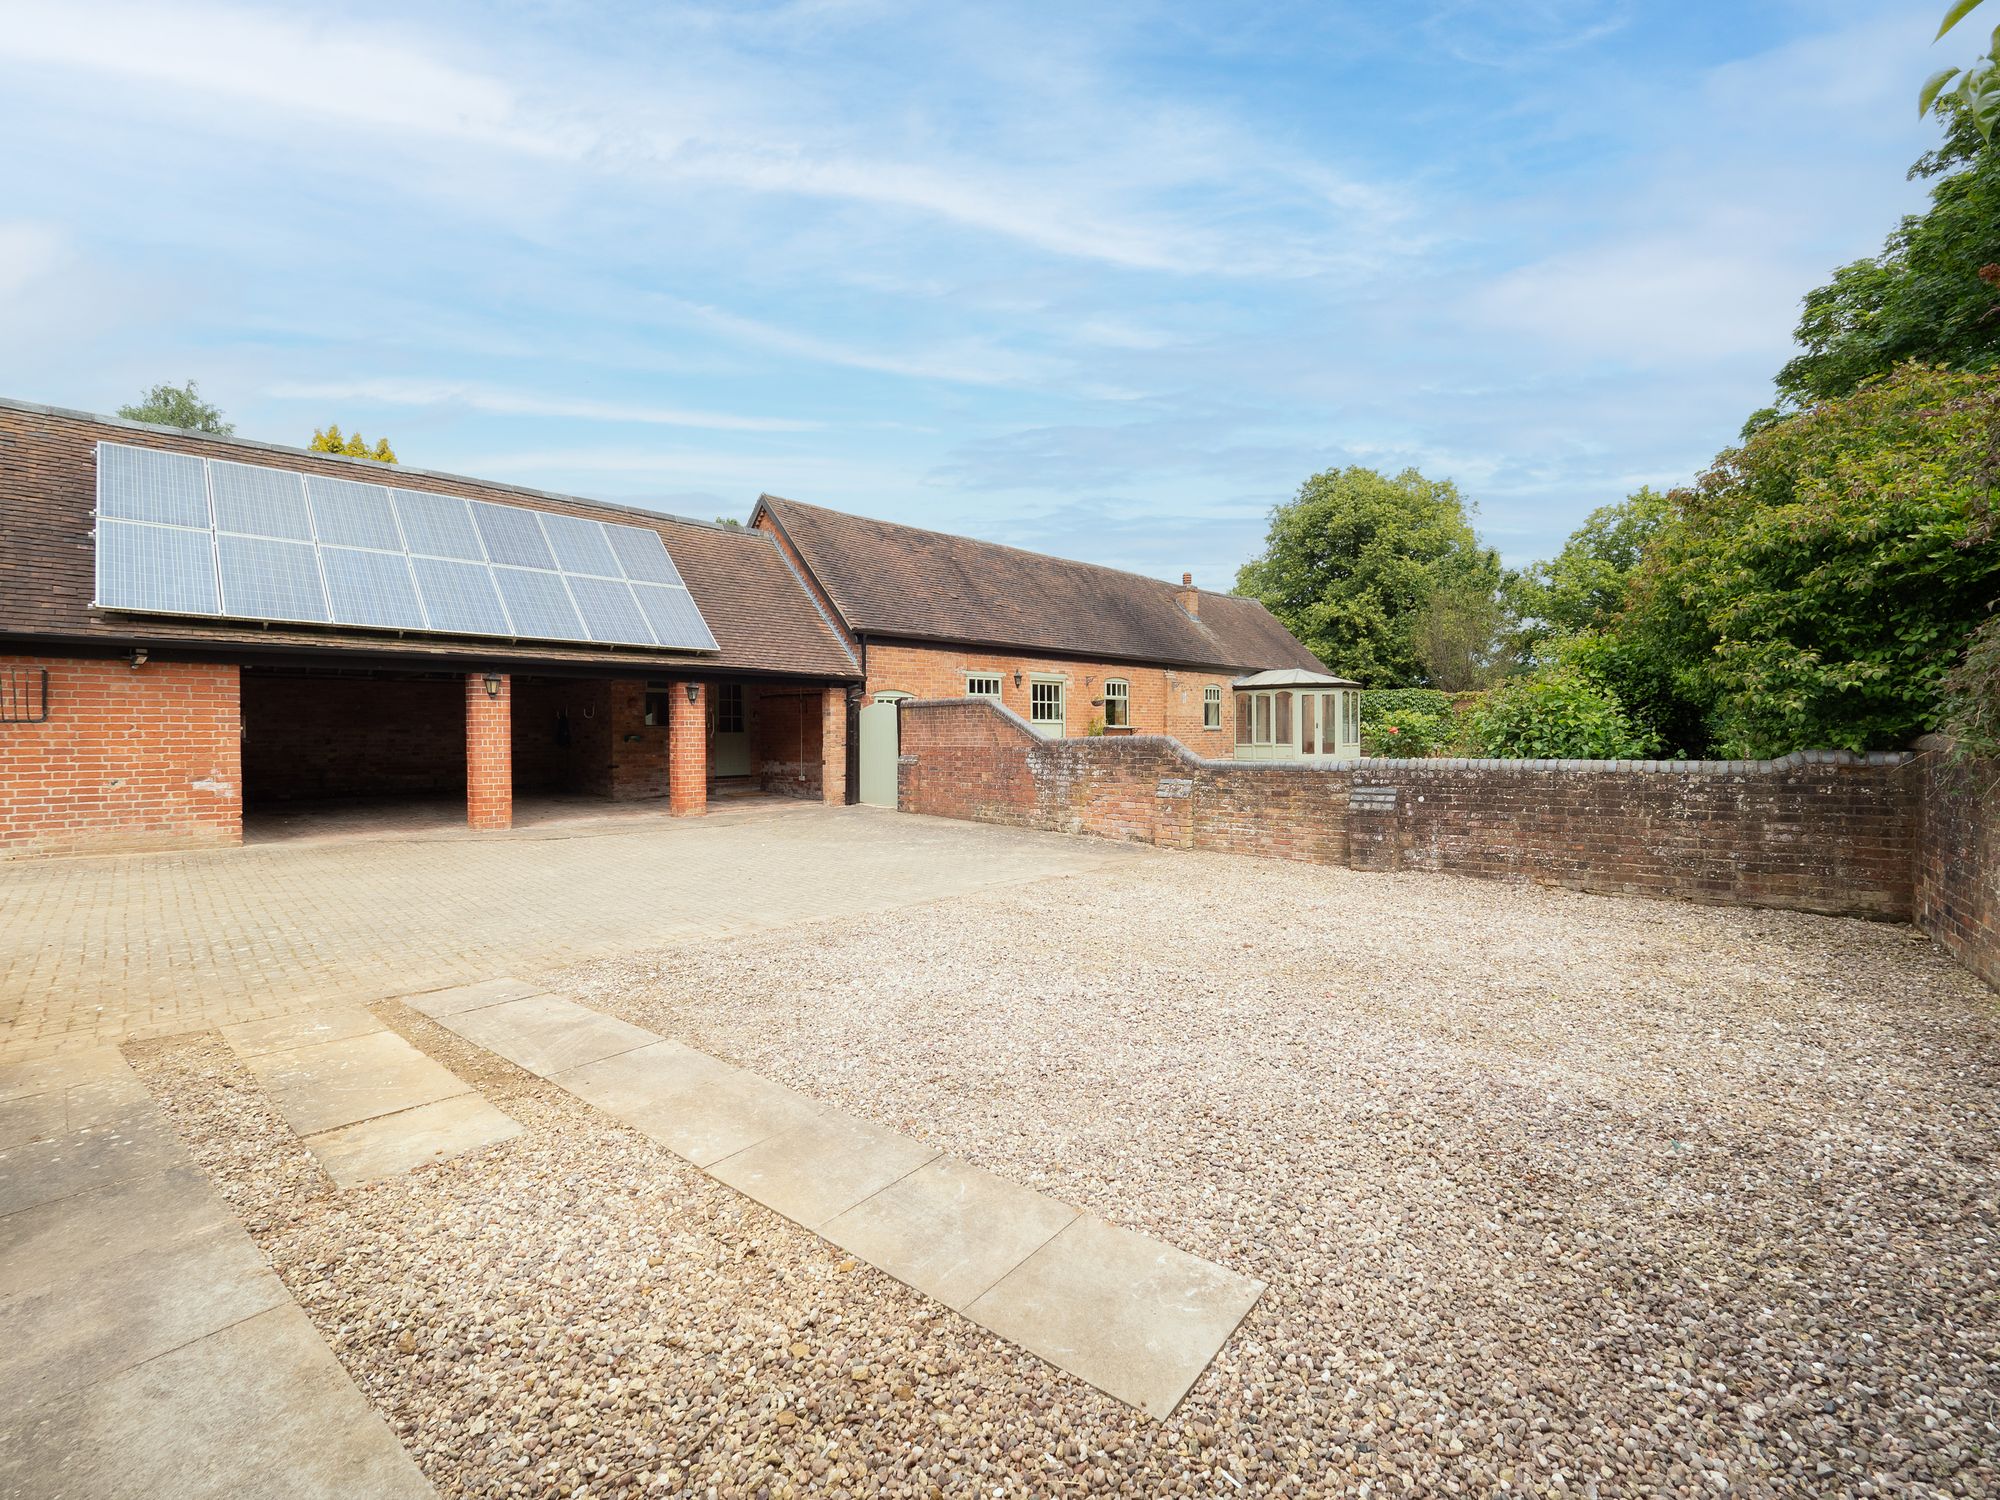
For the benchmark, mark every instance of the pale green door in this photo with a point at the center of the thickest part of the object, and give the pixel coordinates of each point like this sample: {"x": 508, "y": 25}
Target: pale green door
{"x": 728, "y": 732}
{"x": 879, "y": 749}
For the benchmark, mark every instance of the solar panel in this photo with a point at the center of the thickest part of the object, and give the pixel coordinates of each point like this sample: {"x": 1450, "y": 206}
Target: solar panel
{"x": 438, "y": 526}
{"x": 346, "y": 514}
{"x": 264, "y": 579}
{"x": 609, "y": 611}
{"x": 177, "y": 534}
{"x": 642, "y": 555}
{"x": 580, "y": 546}
{"x": 672, "y": 614}
{"x": 513, "y": 537}
{"x": 259, "y": 502}
{"x": 459, "y": 597}
{"x": 539, "y": 604}
{"x": 158, "y": 569}
{"x": 144, "y": 484}
{"x": 371, "y": 588}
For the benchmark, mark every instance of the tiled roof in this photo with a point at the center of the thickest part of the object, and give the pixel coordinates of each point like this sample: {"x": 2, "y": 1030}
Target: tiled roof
{"x": 763, "y": 616}
{"x": 905, "y": 582}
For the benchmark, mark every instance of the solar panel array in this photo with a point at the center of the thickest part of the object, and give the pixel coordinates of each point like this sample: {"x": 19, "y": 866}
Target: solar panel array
{"x": 182, "y": 535}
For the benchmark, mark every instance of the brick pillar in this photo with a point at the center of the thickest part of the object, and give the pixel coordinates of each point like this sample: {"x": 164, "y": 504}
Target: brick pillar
{"x": 687, "y": 750}
{"x": 833, "y": 747}
{"x": 489, "y": 753}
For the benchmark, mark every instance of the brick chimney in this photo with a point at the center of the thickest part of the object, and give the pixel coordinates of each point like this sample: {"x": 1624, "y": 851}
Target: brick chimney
{"x": 1189, "y": 596}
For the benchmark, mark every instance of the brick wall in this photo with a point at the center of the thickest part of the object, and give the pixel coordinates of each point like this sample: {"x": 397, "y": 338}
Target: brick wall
{"x": 833, "y": 746}
{"x": 1958, "y": 856}
{"x": 322, "y": 736}
{"x": 1821, "y": 832}
{"x": 587, "y": 736}
{"x": 1164, "y": 701}
{"x": 130, "y": 758}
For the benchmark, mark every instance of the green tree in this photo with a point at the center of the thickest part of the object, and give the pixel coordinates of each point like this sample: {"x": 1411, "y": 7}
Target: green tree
{"x": 1352, "y": 564}
{"x": 1930, "y": 296}
{"x": 177, "y": 406}
{"x": 1582, "y": 588}
{"x": 1976, "y": 94}
{"x": 1463, "y": 639}
{"x": 1817, "y": 583}
{"x": 1559, "y": 713}
{"x": 329, "y": 439}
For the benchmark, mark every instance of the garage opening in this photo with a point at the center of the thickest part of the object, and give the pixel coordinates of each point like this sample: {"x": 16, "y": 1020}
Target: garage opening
{"x": 326, "y": 747}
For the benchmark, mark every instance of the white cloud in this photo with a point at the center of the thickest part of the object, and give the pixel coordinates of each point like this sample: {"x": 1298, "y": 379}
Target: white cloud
{"x": 28, "y": 252}
{"x": 391, "y": 392}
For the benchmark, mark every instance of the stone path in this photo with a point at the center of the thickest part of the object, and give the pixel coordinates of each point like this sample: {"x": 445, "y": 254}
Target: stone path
{"x": 146, "y": 1349}
{"x": 116, "y": 946}
{"x": 366, "y": 1103}
{"x": 1135, "y": 1317}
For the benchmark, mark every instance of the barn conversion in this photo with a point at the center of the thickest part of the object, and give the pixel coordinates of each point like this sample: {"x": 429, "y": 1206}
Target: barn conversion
{"x": 197, "y": 629}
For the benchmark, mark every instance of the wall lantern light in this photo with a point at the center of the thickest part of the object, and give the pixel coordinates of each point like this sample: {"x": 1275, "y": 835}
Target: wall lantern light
{"x": 1017, "y": 679}
{"x": 492, "y": 684}
{"x": 693, "y": 690}
{"x": 140, "y": 656}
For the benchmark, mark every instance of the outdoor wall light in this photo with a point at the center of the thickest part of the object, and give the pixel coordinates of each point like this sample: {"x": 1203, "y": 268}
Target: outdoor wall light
{"x": 693, "y": 690}
{"x": 492, "y": 684}
{"x": 140, "y": 656}
{"x": 1017, "y": 679}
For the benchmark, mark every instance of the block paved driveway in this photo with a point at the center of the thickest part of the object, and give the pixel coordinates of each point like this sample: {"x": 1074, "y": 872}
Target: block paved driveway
{"x": 104, "y": 948}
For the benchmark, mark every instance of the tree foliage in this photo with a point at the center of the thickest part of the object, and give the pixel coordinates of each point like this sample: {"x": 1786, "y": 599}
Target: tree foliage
{"x": 329, "y": 439}
{"x": 1818, "y": 582}
{"x": 1582, "y": 588}
{"x": 1353, "y": 563}
{"x": 178, "y": 406}
{"x": 1974, "y": 90}
{"x": 1932, "y": 295}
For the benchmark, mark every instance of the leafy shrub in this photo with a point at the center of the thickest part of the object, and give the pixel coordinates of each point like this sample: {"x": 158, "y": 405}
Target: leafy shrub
{"x": 1405, "y": 732}
{"x": 1972, "y": 694}
{"x": 1559, "y": 714}
{"x": 1378, "y": 701}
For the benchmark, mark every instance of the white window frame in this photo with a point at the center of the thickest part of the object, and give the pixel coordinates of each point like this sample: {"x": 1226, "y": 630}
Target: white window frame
{"x": 973, "y": 679}
{"x": 1123, "y": 695}
{"x": 1060, "y": 723}
{"x": 1211, "y": 707}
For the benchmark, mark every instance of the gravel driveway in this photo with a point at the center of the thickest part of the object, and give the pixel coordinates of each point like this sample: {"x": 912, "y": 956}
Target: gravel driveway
{"x": 1553, "y": 1193}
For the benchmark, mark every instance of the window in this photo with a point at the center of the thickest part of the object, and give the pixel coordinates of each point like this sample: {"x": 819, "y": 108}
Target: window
{"x": 1211, "y": 707}
{"x": 1045, "y": 704}
{"x": 983, "y": 685}
{"x": 729, "y": 709}
{"x": 1117, "y": 703}
{"x": 1282, "y": 732}
{"x": 1350, "y": 717}
{"x": 1308, "y": 723}
{"x": 656, "y": 704}
{"x": 1243, "y": 719}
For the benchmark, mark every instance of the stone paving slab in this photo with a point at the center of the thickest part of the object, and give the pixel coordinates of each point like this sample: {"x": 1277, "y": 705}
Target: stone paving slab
{"x": 1136, "y": 1318}
{"x": 950, "y": 1230}
{"x": 822, "y": 1168}
{"x": 77, "y": 1161}
{"x": 464, "y": 997}
{"x": 146, "y": 1349}
{"x": 73, "y": 1234}
{"x": 329, "y": 1084}
{"x": 390, "y": 1145}
{"x": 1131, "y": 1315}
{"x": 85, "y": 1065}
{"x": 328, "y": 1023}
{"x": 259, "y": 1408}
{"x": 547, "y": 1035}
{"x": 69, "y": 1333}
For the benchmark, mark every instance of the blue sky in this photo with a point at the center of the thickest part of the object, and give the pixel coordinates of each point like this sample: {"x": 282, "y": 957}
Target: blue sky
{"x": 1106, "y": 280}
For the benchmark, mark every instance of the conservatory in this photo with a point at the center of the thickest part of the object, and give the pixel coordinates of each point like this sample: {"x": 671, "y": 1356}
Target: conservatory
{"x": 1292, "y": 714}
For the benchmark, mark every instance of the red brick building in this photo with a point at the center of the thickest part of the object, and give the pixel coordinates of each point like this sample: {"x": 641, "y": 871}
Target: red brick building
{"x": 1071, "y": 647}
{"x": 152, "y": 694}
{"x": 122, "y": 729}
